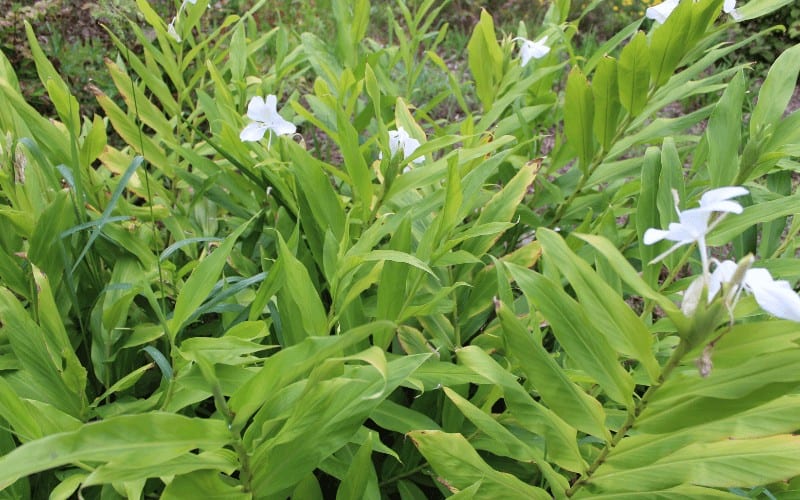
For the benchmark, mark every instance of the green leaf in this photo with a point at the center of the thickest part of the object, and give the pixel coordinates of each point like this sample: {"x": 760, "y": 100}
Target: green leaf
{"x": 393, "y": 279}
{"x": 669, "y": 43}
{"x": 127, "y": 128}
{"x": 238, "y": 53}
{"x": 561, "y": 446}
{"x": 315, "y": 186}
{"x": 31, "y": 419}
{"x": 549, "y": 380}
{"x": 505, "y": 443}
{"x": 724, "y": 134}
{"x": 458, "y": 465}
{"x": 579, "y": 117}
{"x": 670, "y": 178}
{"x": 485, "y": 60}
{"x": 360, "y": 480}
{"x": 45, "y": 249}
{"x": 580, "y": 337}
{"x": 605, "y": 89}
{"x": 634, "y": 74}
{"x": 186, "y": 465}
{"x": 677, "y": 493}
{"x": 65, "y": 103}
{"x": 764, "y": 211}
{"x": 290, "y": 364}
{"x": 628, "y": 274}
{"x": 51, "y": 371}
{"x": 647, "y": 212}
{"x": 154, "y": 437}
{"x": 502, "y": 207}
{"x": 299, "y": 304}
{"x": 622, "y": 328}
{"x": 323, "y": 418}
{"x": 759, "y": 8}
{"x": 393, "y": 256}
{"x": 136, "y": 99}
{"x": 723, "y": 464}
{"x": 203, "y": 484}
{"x": 196, "y": 289}
{"x": 776, "y": 91}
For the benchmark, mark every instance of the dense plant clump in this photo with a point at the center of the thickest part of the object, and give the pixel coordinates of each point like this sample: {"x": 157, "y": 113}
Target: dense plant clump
{"x": 285, "y": 263}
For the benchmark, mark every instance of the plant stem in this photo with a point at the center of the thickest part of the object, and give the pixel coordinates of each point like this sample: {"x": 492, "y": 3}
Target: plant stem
{"x": 245, "y": 474}
{"x": 673, "y": 362}
{"x": 590, "y": 170}
{"x": 403, "y": 475}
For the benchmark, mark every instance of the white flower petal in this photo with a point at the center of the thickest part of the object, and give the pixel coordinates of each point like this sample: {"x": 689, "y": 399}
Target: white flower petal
{"x": 532, "y": 50}
{"x": 724, "y": 206}
{"x": 723, "y": 273}
{"x": 410, "y": 146}
{"x": 654, "y": 235}
{"x": 729, "y": 6}
{"x": 280, "y": 126}
{"x": 400, "y": 140}
{"x": 661, "y": 12}
{"x": 264, "y": 116}
{"x": 171, "y": 31}
{"x": 717, "y": 200}
{"x": 254, "y": 131}
{"x": 258, "y": 110}
{"x": 774, "y": 296}
{"x": 691, "y": 297}
{"x": 693, "y": 225}
{"x": 778, "y": 299}
{"x": 396, "y": 140}
{"x": 758, "y": 277}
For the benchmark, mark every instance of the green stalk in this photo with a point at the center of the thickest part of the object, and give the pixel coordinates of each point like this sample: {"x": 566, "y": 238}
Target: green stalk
{"x": 630, "y": 421}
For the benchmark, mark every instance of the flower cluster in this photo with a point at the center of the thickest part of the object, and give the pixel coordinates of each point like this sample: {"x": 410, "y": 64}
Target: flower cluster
{"x": 264, "y": 117}
{"x": 774, "y": 296}
{"x": 659, "y": 13}
{"x": 263, "y": 114}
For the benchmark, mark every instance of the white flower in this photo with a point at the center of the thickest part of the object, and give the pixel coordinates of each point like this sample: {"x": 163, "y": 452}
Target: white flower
{"x": 693, "y": 224}
{"x": 532, "y": 50}
{"x": 661, "y": 12}
{"x": 399, "y": 140}
{"x": 264, "y": 116}
{"x": 729, "y": 7}
{"x": 172, "y": 32}
{"x": 718, "y": 200}
{"x": 774, "y": 296}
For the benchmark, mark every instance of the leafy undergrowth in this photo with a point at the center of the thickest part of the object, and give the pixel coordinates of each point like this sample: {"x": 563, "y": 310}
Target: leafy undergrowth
{"x": 289, "y": 276}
